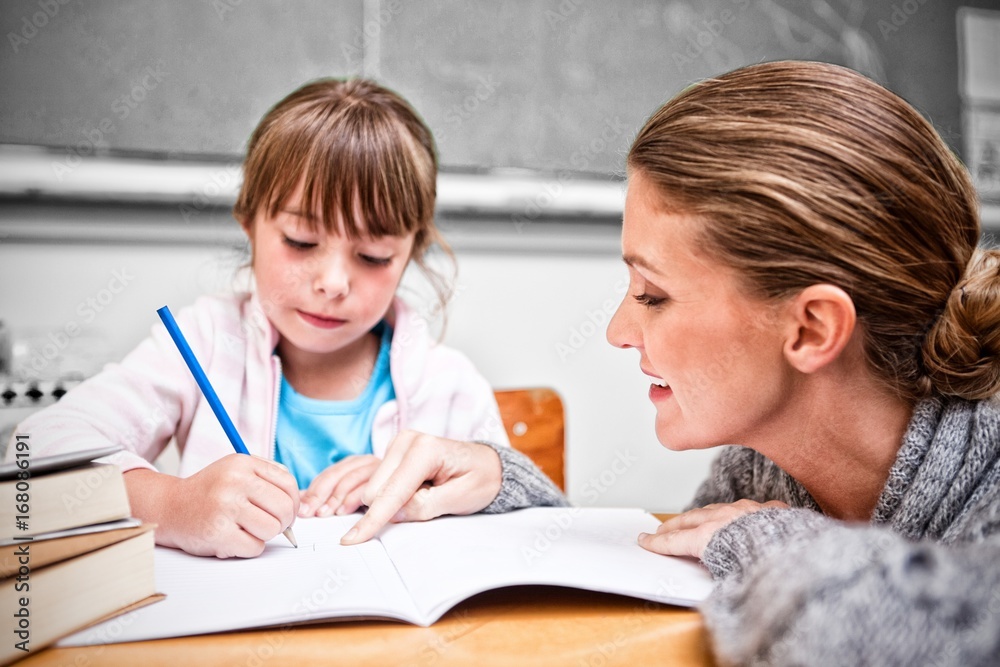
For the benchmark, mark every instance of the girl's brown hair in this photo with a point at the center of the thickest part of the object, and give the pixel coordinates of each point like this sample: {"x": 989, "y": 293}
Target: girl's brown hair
{"x": 367, "y": 159}
{"x": 807, "y": 173}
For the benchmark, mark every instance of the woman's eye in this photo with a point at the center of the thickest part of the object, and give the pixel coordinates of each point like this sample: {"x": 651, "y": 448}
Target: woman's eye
{"x": 375, "y": 261}
{"x": 649, "y": 301}
{"x": 298, "y": 245}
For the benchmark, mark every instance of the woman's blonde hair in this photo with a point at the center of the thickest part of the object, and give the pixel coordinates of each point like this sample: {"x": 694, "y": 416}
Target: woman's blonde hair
{"x": 366, "y": 157}
{"x": 807, "y": 173}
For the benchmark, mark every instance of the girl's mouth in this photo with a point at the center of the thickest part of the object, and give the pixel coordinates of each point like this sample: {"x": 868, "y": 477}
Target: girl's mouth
{"x": 319, "y": 321}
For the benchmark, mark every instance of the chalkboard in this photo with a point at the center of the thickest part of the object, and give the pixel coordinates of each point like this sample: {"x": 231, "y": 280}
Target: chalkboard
{"x": 554, "y": 84}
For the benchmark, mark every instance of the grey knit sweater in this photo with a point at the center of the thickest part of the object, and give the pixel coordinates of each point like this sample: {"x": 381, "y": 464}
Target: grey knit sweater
{"x": 522, "y": 484}
{"x": 920, "y": 585}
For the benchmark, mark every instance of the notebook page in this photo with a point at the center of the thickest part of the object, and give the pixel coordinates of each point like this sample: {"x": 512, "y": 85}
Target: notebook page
{"x": 319, "y": 580}
{"x": 449, "y": 559}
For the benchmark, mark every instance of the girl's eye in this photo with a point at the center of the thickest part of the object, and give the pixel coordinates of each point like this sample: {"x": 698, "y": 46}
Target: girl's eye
{"x": 298, "y": 245}
{"x": 650, "y": 301}
{"x": 375, "y": 261}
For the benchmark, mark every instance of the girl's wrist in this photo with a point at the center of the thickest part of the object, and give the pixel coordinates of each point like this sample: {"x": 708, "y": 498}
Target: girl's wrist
{"x": 150, "y": 495}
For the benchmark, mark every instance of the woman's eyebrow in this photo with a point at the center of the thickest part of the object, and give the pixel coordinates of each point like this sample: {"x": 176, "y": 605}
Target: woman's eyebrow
{"x": 638, "y": 260}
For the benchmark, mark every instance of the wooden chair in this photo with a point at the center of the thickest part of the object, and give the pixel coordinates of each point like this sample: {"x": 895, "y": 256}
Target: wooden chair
{"x": 535, "y": 424}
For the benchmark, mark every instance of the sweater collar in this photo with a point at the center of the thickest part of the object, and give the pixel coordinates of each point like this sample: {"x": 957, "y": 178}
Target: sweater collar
{"x": 949, "y": 446}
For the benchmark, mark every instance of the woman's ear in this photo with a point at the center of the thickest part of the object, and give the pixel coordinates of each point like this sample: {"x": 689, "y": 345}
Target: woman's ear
{"x": 822, "y": 323}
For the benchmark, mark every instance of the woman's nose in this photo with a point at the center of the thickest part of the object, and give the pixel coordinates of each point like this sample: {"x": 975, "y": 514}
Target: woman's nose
{"x": 622, "y": 330}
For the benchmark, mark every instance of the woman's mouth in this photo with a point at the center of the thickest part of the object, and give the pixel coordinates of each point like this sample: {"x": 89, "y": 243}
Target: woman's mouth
{"x": 659, "y": 392}
{"x": 658, "y": 389}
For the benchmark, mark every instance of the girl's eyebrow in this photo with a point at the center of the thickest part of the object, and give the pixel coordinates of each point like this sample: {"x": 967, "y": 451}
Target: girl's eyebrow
{"x": 296, "y": 212}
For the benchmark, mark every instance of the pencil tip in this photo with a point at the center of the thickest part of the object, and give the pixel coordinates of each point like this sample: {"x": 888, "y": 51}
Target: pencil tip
{"x": 291, "y": 537}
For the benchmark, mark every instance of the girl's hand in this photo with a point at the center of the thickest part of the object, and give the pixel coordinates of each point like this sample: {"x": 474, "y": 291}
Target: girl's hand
{"x": 422, "y": 477}
{"x": 688, "y": 534}
{"x": 229, "y": 508}
{"x": 338, "y": 489}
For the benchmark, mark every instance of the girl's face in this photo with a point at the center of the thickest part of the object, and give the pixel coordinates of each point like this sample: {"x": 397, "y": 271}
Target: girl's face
{"x": 323, "y": 291}
{"x": 713, "y": 353}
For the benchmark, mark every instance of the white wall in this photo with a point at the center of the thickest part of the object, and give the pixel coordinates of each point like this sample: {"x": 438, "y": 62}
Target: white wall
{"x": 526, "y": 319}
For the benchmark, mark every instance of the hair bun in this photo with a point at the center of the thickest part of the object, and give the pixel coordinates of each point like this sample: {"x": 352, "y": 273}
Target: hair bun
{"x": 962, "y": 350}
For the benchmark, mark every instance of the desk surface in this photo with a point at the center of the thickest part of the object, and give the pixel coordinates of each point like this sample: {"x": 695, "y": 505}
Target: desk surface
{"x": 530, "y": 625}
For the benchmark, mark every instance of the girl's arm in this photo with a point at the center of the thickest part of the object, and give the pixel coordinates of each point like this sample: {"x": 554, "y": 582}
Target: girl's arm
{"x": 139, "y": 403}
{"x": 136, "y": 404}
{"x": 228, "y": 509}
{"x": 798, "y": 588}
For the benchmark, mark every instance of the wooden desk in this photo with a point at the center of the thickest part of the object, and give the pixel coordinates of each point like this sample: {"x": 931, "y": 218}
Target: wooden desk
{"x": 531, "y": 625}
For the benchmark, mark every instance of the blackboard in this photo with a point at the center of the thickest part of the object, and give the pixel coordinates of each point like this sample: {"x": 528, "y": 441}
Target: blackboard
{"x": 505, "y": 84}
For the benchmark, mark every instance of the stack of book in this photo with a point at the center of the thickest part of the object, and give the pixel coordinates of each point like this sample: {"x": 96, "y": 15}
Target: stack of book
{"x": 70, "y": 553}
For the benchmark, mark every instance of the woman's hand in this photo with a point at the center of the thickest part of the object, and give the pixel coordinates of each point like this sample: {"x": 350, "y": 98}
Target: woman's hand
{"x": 338, "y": 489}
{"x": 688, "y": 534}
{"x": 229, "y": 508}
{"x": 422, "y": 477}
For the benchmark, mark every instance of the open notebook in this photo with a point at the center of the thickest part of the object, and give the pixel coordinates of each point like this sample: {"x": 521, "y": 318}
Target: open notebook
{"x": 414, "y": 572}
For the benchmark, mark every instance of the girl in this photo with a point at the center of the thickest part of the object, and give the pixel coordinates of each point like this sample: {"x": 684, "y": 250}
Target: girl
{"x": 320, "y": 366}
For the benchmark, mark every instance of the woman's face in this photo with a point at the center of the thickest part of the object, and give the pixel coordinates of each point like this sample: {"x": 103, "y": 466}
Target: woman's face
{"x": 714, "y": 354}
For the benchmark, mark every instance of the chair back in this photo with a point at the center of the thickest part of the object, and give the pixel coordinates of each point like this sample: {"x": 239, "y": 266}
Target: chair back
{"x": 535, "y": 423}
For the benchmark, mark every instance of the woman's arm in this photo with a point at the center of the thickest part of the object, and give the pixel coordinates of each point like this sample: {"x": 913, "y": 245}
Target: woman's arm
{"x": 799, "y": 588}
{"x": 523, "y": 484}
{"x": 729, "y": 478}
{"x": 740, "y": 473}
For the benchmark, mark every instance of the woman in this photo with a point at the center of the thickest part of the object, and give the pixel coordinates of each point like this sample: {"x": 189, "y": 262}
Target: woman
{"x": 805, "y": 282}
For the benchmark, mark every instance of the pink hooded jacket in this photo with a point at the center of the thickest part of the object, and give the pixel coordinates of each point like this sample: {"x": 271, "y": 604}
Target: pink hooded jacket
{"x": 151, "y": 395}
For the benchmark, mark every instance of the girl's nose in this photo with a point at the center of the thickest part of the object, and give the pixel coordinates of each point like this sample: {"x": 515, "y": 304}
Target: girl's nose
{"x": 333, "y": 279}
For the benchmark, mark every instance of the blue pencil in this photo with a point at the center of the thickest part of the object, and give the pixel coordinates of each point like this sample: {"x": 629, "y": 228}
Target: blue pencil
{"x": 208, "y": 391}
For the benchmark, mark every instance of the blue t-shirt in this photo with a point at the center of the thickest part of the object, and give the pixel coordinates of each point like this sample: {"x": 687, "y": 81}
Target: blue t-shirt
{"x": 313, "y": 434}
